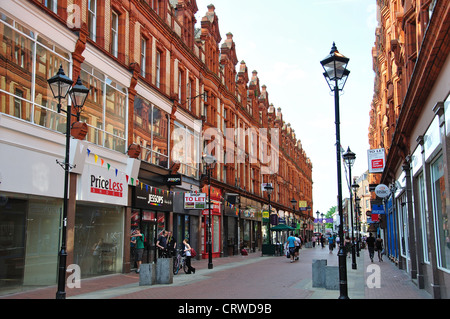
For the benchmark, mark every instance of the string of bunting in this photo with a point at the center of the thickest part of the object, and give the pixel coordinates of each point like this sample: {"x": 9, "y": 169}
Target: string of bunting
{"x": 148, "y": 188}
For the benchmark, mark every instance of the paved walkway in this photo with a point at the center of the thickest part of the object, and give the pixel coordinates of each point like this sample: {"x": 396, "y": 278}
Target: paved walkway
{"x": 378, "y": 280}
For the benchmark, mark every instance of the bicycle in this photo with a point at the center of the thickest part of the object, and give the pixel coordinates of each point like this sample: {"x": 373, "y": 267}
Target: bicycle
{"x": 179, "y": 262}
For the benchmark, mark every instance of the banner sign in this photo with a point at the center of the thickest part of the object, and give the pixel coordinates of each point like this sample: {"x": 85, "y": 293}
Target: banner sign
{"x": 376, "y": 160}
{"x": 194, "y": 201}
{"x": 153, "y": 199}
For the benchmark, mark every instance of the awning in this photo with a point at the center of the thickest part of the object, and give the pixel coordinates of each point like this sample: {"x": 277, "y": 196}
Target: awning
{"x": 282, "y": 227}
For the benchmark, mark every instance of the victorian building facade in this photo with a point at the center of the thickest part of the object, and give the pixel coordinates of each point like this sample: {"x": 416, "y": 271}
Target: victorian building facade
{"x": 409, "y": 119}
{"x": 162, "y": 94}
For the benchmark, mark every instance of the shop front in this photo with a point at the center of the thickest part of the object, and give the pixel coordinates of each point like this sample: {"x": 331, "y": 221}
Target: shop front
{"x": 151, "y": 207}
{"x": 99, "y": 237}
{"x": 214, "y": 225}
{"x": 187, "y": 211}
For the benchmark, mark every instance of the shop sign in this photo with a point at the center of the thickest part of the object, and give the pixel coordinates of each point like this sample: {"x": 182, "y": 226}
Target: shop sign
{"x": 376, "y": 160}
{"x": 152, "y": 199}
{"x": 215, "y": 208}
{"x": 194, "y": 201}
{"x": 98, "y": 184}
{"x": 173, "y": 180}
{"x": 382, "y": 191}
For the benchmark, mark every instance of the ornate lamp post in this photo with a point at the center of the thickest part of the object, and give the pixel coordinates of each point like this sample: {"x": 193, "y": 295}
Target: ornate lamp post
{"x": 336, "y": 74}
{"x": 61, "y": 85}
{"x": 349, "y": 159}
{"x": 210, "y": 162}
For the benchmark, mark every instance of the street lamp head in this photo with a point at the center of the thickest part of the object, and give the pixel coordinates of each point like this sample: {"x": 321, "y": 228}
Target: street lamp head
{"x": 268, "y": 188}
{"x": 79, "y": 94}
{"x": 60, "y": 84}
{"x": 355, "y": 187}
{"x": 209, "y": 160}
{"x": 349, "y": 157}
{"x": 335, "y": 67}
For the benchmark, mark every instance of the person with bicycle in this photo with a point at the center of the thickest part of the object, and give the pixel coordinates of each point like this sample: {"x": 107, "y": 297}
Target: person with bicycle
{"x": 171, "y": 244}
{"x": 187, "y": 250}
{"x": 161, "y": 244}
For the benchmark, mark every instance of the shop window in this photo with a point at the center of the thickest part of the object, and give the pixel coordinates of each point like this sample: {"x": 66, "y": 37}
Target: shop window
{"x": 105, "y": 109}
{"x": 99, "y": 238}
{"x": 37, "y": 58}
{"x": 441, "y": 223}
{"x": 152, "y": 133}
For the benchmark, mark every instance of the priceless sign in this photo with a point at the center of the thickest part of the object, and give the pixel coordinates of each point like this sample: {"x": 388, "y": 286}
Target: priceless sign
{"x": 376, "y": 160}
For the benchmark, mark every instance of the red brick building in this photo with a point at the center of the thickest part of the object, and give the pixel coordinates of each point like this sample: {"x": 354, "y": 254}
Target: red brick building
{"x": 156, "y": 84}
{"x": 409, "y": 119}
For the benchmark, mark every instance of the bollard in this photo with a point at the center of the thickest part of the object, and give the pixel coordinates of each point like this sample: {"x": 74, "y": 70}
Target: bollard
{"x": 318, "y": 273}
{"x": 332, "y": 277}
{"x": 164, "y": 271}
{"x": 147, "y": 275}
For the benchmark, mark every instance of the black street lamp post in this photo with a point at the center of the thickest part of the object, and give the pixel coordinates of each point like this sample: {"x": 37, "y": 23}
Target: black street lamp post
{"x": 61, "y": 85}
{"x": 210, "y": 162}
{"x": 355, "y": 189}
{"x": 336, "y": 74}
{"x": 269, "y": 189}
{"x": 349, "y": 159}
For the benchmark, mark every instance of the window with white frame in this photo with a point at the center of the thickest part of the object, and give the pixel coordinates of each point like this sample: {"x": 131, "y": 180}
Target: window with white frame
{"x": 158, "y": 69}
{"x": 186, "y": 149}
{"x": 52, "y": 5}
{"x": 114, "y": 34}
{"x": 143, "y": 56}
{"x": 92, "y": 19}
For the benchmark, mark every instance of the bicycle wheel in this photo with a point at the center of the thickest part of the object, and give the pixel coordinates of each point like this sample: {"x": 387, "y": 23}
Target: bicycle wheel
{"x": 176, "y": 265}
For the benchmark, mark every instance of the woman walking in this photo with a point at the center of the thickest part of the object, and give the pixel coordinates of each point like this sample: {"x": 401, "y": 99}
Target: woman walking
{"x": 187, "y": 250}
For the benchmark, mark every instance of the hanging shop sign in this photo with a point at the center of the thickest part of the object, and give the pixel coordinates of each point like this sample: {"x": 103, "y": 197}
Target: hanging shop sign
{"x": 152, "y": 199}
{"x": 195, "y": 201}
{"x": 382, "y": 191}
{"x": 376, "y": 160}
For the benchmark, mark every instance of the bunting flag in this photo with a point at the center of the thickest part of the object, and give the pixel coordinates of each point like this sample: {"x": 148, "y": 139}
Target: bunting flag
{"x": 152, "y": 189}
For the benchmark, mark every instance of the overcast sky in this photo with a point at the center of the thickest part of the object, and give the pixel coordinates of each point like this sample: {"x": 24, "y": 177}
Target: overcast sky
{"x": 284, "y": 42}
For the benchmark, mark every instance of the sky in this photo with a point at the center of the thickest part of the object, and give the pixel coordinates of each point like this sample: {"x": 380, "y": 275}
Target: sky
{"x": 284, "y": 41}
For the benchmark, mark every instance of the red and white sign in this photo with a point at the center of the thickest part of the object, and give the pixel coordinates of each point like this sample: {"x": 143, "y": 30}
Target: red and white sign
{"x": 376, "y": 160}
{"x": 98, "y": 184}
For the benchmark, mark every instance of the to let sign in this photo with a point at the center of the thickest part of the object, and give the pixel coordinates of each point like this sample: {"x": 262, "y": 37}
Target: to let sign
{"x": 376, "y": 160}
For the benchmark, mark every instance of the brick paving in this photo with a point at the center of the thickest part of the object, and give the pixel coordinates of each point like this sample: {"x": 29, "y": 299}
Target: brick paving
{"x": 249, "y": 277}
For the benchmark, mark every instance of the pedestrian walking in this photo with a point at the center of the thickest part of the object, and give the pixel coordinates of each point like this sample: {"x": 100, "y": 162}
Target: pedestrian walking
{"x": 291, "y": 245}
{"x": 187, "y": 251}
{"x": 331, "y": 243}
{"x": 322, "y": 241}
{"x": 298, "y": 243}
{"x": 138, "y": 240}
{"x": 379, "y": 247}
{"x": 348, "y": 245}
{"x": 370, "y": 242}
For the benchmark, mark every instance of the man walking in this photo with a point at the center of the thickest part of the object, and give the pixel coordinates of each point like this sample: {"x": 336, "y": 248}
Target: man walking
{"x": 371, "y": 246}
